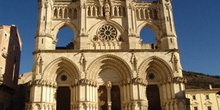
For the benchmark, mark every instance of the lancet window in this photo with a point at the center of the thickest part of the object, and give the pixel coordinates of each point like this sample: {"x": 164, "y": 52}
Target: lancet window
{"x": 64, "y": 13}
{"x": 147, "y": 13}
{"x": 95, "y": 11}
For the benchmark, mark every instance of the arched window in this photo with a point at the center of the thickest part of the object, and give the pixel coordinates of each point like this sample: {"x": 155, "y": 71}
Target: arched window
{"x": 147, "y": 35}
{"x": 65, "y": 37}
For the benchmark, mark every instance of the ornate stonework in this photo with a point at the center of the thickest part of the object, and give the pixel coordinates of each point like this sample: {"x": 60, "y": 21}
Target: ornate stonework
{"x": 107, "y": 59}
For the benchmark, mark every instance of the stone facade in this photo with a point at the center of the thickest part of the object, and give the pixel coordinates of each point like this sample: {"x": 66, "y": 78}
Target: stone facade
{"x": 10, "y": 51}
{"x": 107, "y": 66}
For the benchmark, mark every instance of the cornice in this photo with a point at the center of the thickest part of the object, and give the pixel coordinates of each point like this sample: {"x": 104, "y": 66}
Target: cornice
{"x": 105, "y": 51}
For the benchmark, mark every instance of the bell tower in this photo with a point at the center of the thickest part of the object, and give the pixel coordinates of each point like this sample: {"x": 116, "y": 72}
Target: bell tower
{"x": 168, "y": 37}
{"x": 106, "y": 60}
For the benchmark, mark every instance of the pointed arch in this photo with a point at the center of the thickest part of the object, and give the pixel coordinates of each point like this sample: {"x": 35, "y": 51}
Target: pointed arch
{"x": 109, "y": 62}
{"x": 59, "y": 65}
{"x": 62, "y": 24}
{"x": 150, "y": 25}
{"x": 156, "y": 64}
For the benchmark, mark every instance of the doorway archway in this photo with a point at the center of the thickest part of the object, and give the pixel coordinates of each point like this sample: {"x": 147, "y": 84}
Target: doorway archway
{"x": 63, "y": 98}
{"x": 153, "y": 97}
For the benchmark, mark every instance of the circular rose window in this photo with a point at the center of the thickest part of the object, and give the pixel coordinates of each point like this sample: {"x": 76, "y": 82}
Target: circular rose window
{"x": 151, "y": 76}
{"x": 63, "y": 78}
{"x": 107, "y": 32}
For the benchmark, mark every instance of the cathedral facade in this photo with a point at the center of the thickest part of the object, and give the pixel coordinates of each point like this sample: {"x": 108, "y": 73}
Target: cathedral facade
{"x": 106, "y": 67}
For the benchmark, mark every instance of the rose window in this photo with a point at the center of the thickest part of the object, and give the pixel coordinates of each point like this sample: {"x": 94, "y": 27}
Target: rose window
{"x": 151, "y": 76}
{"x": 63, "y": 78}
{"x": 107, "y": 33}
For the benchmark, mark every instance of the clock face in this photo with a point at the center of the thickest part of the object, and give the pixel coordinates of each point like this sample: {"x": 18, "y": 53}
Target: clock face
{"x": 151, "y": 76}
{"x": 63, "y": 78}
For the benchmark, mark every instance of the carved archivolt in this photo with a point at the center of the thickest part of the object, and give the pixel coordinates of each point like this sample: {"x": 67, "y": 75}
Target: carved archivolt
{"x": 155, "y": 63}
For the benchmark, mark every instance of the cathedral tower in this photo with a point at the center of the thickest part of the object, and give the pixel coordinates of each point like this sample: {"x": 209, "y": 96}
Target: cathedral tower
{"x": 106, "y": 66}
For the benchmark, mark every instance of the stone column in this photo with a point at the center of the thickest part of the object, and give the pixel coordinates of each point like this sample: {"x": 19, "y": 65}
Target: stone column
{"x": 108, "y": 86}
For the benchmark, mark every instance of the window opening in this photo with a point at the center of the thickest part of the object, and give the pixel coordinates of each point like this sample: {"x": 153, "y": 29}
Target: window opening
{"x": 207, "y": 96}
{"x": 171, "y": 40}
{"x": 153, "y": 97}
{"x": 194, "y": 97}
{"x": 14, "y": 70}
{"x": 63, "y": 98}
{"x": 65, "y": 37}
{"x": 147, "y": 35}
{"x": 209, "y": 108}
{"x": 195, "y": 108}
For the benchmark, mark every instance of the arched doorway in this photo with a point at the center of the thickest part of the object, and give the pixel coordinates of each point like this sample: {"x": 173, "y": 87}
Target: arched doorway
{"x": 109, "y": 91}
{"x": 63, "y": 98}
{"x": 153, "y": 97}
{"x": 115, "y": 98}
{"x": 104, "y": 98}
{"x": 63, "y": 93}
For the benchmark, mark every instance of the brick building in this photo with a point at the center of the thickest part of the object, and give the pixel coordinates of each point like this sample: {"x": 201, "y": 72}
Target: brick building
{"x": 10, "y": 51}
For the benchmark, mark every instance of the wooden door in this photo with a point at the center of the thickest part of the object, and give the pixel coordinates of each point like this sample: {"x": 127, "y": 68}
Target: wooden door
{"x": 115, "y": 98}
{"x": 63, "y": 98}
{"x": 153, "y": 97}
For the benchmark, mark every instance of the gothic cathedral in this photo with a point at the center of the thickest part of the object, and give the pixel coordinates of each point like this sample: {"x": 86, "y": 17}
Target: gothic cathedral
{"x": 106, "y": 66}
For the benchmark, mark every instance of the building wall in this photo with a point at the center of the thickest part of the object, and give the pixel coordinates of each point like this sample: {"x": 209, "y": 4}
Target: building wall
{"x": 4, "y": 41}
{"x": 202, "y": 99}
{"x": 10, "y": 51}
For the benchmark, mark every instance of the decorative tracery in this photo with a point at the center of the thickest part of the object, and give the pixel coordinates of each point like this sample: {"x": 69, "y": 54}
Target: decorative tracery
{"x": 107, "y": 33}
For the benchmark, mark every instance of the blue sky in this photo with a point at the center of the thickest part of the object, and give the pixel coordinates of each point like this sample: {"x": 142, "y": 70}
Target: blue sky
{"x": 197, "y": 25}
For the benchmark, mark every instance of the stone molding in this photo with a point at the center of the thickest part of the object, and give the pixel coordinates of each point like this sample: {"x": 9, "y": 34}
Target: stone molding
{"x": 31, "y": 105}
{"x": 174, "y": 80}
{"x": 179, "y": 80}
{"x": 134, "y": 81}
{"x": 42, "y": 82}
{"x": 86, "y": 82}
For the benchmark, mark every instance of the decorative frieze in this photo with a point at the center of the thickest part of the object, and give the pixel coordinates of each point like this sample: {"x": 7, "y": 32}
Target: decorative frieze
{"x": 135, "y": 81}
{"x": 179, "y": 80}
{"x": 42, "y": 82}
{"x": 87, "y": 82}
{"x": 40, "y": 106}
{"x": 174, "y": 80}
